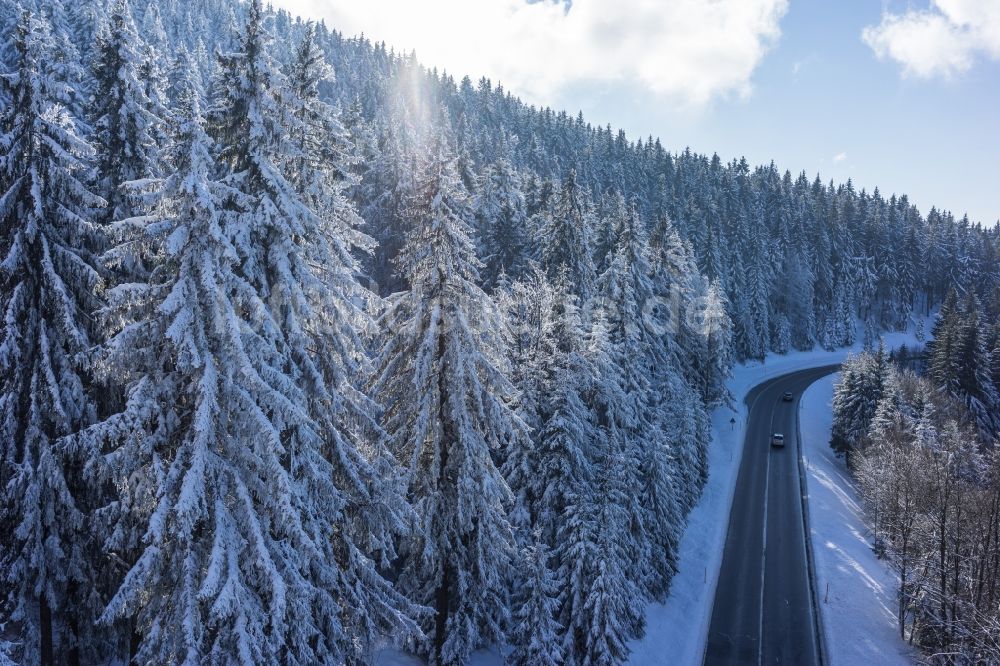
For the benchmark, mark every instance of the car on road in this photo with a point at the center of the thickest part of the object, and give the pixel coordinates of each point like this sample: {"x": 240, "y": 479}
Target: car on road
{"x": 777, "y": 439}
{"x": 787, "y": 396}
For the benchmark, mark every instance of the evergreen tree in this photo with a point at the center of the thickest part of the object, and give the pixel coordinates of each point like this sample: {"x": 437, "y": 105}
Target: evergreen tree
{"x": 568, "y": 431}
{"x": 48, "y": 291}
{"x": 715, "y": 324}
{"x": 601, "y": 604}
{"x": 535, "y": 633}
{"x": 856, "y": 399}
{"x": 295, "y": 236}
{"x": 974, "y": 382}
{"x": 942, "y": 350}
{"x": 632, "y": 411}
{"x": 528, "y": 307}
{"x": 501, "y": 219}
{"x": 447, "y": 413}
{"x": 565, "y": 239}
{"x": 272, "y": 502}
{"x": 125, "y": 122}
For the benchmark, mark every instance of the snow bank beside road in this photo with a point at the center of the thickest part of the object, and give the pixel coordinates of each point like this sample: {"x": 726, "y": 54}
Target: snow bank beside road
{"x": 857, "y": 592}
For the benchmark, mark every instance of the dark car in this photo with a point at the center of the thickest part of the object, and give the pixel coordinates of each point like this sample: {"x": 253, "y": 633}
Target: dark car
{"x": 787, "y": 396}
{"x": 777, "y": 439}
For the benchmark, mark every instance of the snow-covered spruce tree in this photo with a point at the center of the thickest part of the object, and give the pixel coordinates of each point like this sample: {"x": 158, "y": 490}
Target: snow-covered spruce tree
{"x": 564, "y": 448}
{"x": 535, "y": 632}
{"x": 689, "y": 329}
{"x": 855, "y": 400}
{"x": 66, "y": 58}
{"x": 565, "y": 236}
{"x": 942, "y": 359}
{"x": 335, "y": 321}
{"x": 527, "y": 306}
{"x": 322, "y": 157}
{"x": 601, "y": 604}
{"x": 646, "y": 378}
{"x": 447, "y": 413}
{"x": 551, "y": 371}
{"x": 9, "y": 18}
{"x": 713, "y": 319}
{"x": 975, "y": 384}
{"x": 47, "y": 287}
{"x": 259, "y": 467}
{"x": 125, "y": 124}
{"x": 501, "y": 218}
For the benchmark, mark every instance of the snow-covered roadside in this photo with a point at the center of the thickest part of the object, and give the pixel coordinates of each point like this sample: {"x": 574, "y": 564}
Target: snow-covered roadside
{"x": 856, "y": 590}
{"x": 676, "y": 631}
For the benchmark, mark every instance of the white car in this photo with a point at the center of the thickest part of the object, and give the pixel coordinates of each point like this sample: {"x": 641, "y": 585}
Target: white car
{"x": 777, "y": 439}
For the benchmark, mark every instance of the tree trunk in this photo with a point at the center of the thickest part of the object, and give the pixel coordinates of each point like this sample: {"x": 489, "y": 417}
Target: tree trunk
{"x": 442, "y": 596}
{"x": 45, "y": 649}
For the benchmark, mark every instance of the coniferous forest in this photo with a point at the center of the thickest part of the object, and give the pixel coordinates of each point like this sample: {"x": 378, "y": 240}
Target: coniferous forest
{"x": 307, "y": 349}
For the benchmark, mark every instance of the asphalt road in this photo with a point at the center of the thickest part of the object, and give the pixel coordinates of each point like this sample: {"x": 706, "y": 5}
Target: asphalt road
{"x": 763, "y": 611}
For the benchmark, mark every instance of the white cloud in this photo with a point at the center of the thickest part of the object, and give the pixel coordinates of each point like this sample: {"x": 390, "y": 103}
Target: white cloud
{"x": 943, "y": 40}
{"x": 839, "y": 157}
{"x": 686, "y": 51}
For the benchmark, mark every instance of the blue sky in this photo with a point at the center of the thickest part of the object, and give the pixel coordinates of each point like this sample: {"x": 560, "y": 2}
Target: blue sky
{"x": 915, "y": 108}
{"x": 822, "y": 93}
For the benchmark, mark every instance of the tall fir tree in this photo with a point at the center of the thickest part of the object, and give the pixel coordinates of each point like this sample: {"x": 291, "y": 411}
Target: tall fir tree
{"x": 601, "y": 603}
{"x": 270, "y": 504}
{"x": 448, "y": 413}
{"x": 501, "y": 218}
{"x": 535, "y": 634}
{"x": 566, "y": 239}
{"x": 49, "y": 279}
{"x": 856, "y": 400}
{"x": 975, "y": 384}
{"x": 126, "y": 126}
{"x": 643, "y": 372}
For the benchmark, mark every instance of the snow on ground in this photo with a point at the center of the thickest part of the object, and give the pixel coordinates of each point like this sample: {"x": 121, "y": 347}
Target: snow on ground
{"x": 676, "y": 631}
{"x": 857, "y": 591}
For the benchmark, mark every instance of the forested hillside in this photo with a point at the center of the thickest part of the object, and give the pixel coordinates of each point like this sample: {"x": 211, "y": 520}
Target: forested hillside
{"x": 307, "y": 349}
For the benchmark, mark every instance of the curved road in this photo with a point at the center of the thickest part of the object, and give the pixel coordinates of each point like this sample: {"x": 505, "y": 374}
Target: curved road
{"x": 763, "y": 611}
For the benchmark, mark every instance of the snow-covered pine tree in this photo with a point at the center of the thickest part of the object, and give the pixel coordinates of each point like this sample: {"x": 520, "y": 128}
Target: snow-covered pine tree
{"x": 975, "y": 384}
{"x": 942, "y": 349}
{"x": 714, "y": 324}
{"x": 126, "y": 126}
{"x": 535, "y": 632}
{"x": 501, "y": 218}
{"x": 647, "y": 378}
{"x": 386, "y": 186}
{"x": 447, "y": 413}
{"x": 528, "y": 306}
{"x": 9, "y": 18}
{"x": 601, "y": 604}
{"x": 612, "y": 213}
{"x": 47, "y": 287}
{"x": 566, "y": 239}
{"x": 87, "y": 21}
{"x": 274, "y": 475}
{"x": 856, "y": 398}
{"x": 568, "y": 429}
{"x": 66, "y": 59}
{"x": 335, "y": 323}
{"x": 322, "y": 156}
{"x": 182, "y": 74}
